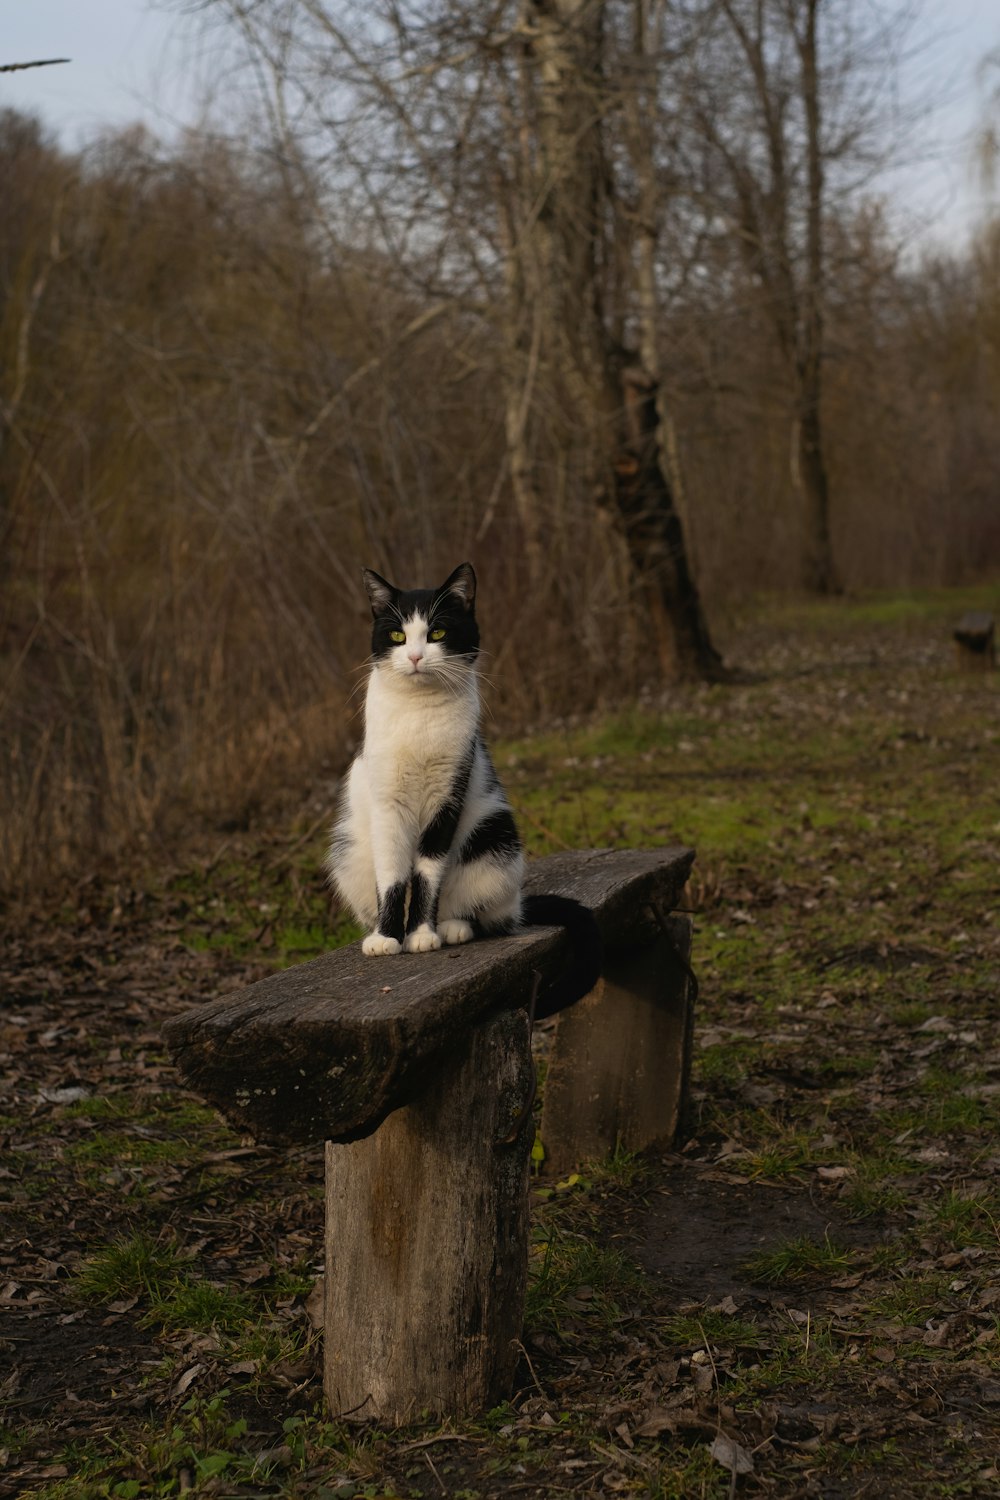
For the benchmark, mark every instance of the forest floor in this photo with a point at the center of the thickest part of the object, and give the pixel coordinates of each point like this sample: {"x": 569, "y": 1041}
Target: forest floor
{"x": 803, "y": 1300}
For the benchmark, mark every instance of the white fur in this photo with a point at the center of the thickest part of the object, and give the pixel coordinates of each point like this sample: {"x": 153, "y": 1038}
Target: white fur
{"x": 421, "y": 714}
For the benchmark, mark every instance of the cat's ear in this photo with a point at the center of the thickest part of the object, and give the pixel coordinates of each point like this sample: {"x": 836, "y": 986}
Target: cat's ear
{"x": 461, "y": 584}
{"x": 381, "y": 594}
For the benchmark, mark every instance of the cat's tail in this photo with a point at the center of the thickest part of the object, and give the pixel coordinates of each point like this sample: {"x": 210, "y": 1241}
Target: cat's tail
{"x": 586, "y": 949}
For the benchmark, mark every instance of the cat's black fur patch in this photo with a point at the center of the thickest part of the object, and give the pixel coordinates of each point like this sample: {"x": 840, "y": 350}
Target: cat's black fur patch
{"x": 391, "y": 908}
{"x": 436, "y": 839}
{"x": 495, "y": 835}
{"x": 422, "y": 907}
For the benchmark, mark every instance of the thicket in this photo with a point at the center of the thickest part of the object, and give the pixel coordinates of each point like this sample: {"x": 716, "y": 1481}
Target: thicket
{"x": 214, "y": 409}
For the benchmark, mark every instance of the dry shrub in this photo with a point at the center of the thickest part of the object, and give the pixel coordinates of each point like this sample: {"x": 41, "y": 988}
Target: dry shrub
{"x": 211, "y": 416}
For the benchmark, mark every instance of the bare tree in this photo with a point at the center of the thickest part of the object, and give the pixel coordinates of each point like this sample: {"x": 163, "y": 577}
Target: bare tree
{"x": 789, "y": 106}
{"x": 477, "y": 142}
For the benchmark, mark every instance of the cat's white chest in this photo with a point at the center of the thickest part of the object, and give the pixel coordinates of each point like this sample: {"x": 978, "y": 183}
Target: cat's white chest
{"x": 414, "y": 740}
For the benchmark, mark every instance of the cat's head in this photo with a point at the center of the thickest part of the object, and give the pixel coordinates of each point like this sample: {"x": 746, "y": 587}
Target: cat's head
{"x": 429, "y": 636}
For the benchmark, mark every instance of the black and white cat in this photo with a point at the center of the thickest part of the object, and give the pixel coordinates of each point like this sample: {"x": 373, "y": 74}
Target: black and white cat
{"x": 425, "y": 849}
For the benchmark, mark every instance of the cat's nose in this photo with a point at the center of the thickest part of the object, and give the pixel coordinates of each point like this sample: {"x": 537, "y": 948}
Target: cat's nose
{"x": 416, "y": 657}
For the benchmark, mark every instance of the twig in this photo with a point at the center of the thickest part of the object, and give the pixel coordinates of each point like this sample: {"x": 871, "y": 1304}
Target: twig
{"x": 45, "y": 62}
{"x": 531, "y": 1367}
{"x": 439, "y": 1437}
{"x": 437, "y": 1476}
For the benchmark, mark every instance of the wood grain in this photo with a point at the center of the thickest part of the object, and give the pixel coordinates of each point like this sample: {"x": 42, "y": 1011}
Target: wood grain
{"x": 427, "y": 1241}
{"x": 326, "y": 1050}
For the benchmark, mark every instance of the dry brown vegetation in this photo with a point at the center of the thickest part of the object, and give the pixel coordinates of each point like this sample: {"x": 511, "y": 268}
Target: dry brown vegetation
{"x": 221, "y": 394}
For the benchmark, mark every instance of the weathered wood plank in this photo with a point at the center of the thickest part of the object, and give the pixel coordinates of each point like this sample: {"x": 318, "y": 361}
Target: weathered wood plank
{"x": 427, "y": 1241}
{"x": 976, "y": 625}
{"x": 326, "y": 1050}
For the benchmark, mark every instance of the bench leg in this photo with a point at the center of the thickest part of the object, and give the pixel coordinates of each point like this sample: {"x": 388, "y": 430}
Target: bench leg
{"x": 620, "y": 1061}
{"x": 427, "y": 1241}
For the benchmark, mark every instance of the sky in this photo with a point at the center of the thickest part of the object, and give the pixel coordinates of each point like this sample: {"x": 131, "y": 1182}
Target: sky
{"x": 130, "y": 63}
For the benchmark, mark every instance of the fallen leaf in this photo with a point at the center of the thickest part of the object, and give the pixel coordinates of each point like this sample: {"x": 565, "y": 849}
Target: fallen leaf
{"x": 656, "y": 1421}
{"x": 123, "y": 1305}
{"x": 727, "y": 1307}
{"x": 731, "y": 1455}
{"x": 187, "y": 1378}
{"x": 63, "y": 1096}
{"x": 262, "y": 1271}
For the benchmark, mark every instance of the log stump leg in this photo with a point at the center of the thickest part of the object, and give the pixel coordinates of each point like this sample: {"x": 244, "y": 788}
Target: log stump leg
{"x": 620, "y": 1061}
{"x": 427, "y": 1241}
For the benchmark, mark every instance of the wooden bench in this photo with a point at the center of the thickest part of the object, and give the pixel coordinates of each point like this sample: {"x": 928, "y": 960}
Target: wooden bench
{"x": 975, "y": 641}
{"x": 417, "y": 1073}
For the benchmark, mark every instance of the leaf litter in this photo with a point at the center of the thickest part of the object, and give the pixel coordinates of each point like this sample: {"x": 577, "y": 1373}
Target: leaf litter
{"x": 814, "y": 1309}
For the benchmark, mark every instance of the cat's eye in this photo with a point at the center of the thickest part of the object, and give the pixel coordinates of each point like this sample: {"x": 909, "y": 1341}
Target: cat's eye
{"x": 398, "y": 636}
{"x": 437, "y": 635}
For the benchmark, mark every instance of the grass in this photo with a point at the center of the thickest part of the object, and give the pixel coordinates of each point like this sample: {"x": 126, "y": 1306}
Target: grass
{"x": 571, "y": 1277}
{"x": 709, "y": 1328}
{"x": 966, "y": 1220}
{"x": 132, "y": 1266}
{"x": 842, "y": 893}
{"x": 173, "y": 1298}
{"x": 799, "y": 1260}
{"x": 281, "y": 911}
{"x": 189, "y": 1303}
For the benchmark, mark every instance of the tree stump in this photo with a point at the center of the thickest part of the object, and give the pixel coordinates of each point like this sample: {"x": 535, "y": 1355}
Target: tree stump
{"x": 620, "y": 1061}
{"x": 427, "y": 1240}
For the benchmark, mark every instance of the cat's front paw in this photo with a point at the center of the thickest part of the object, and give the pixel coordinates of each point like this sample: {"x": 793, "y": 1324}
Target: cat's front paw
{"x": 455, "y": 931}
{"x": 422, "y": 939}
{"x": 378, "y": 943}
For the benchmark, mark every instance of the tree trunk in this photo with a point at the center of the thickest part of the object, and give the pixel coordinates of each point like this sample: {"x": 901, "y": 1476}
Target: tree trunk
{"x": 814, "y": 486}
{"x": 610, "y": 425}
{"x": 655, "y": 536}
{"x": 811, "y": 483}
{"x": 647, "y": 497}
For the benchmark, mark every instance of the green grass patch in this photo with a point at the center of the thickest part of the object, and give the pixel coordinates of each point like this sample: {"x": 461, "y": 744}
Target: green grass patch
{"x": 784, "y": 1155}
{"x": 187, "y": 1303}
{"x": 965, "y": 1221}
{"x": 866, "y": 608}
{"x": 132, "y": 1266}
{"x": 709, "y": 1329}
{"x": 173, "y": 1298}
{"x": 127, "y": 1150}
{"x": 571, "y": 1277}
{"x": 799, "y": 1260}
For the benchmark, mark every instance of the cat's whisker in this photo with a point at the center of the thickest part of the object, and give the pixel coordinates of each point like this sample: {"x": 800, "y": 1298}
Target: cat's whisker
{"x": 458, "y": 678}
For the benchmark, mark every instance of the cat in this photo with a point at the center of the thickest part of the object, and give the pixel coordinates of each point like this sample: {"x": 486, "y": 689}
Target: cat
{"x": 425, "y": 850}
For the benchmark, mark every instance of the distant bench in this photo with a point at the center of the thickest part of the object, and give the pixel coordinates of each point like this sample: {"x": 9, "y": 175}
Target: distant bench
{"x": 417, "y": 1073}
{"x": 975, "y": 641}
